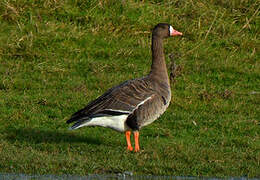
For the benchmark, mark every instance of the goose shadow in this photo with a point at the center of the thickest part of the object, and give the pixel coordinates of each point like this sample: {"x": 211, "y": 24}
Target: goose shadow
{"x": 32, "y": 135}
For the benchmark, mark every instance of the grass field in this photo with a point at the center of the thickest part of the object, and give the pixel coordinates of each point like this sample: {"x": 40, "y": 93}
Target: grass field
{"x": 56, "y": 56}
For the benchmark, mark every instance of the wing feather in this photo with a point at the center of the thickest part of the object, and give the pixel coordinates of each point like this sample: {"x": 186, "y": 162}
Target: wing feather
{"x": 121, "y": 99}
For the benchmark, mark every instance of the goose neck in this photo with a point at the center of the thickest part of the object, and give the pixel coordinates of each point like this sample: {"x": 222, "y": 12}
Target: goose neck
{"x": 158, "y": 68}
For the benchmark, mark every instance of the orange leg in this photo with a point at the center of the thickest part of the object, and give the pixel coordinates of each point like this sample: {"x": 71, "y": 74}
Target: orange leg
{"x": 136, "y": 134}
{"x": 127, "y": 135}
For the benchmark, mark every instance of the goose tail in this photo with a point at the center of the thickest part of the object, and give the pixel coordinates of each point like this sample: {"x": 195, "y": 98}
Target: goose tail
{"x": 80, "y": 123}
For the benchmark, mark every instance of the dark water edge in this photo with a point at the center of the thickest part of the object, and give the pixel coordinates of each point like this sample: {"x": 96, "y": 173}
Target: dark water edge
{"x": 127, "y": 176}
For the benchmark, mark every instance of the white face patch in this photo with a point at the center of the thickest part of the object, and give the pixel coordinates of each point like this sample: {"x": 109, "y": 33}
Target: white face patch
{"x": 171, "y": 30}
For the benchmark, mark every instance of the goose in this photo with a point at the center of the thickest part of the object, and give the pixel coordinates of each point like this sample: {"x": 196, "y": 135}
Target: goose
{"x": 135, "y": 103}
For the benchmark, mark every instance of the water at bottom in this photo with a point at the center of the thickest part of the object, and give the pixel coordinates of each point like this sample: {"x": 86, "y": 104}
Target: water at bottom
{"x": 123, "y": 176}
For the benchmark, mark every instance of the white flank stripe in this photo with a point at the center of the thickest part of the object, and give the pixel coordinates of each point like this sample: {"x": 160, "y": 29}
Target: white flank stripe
{"x": 117, "y": 110}
{"x": 142, "y": 102}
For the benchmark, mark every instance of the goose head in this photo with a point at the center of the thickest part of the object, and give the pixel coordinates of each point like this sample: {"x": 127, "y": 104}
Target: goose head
{"x": 163, "y": 30}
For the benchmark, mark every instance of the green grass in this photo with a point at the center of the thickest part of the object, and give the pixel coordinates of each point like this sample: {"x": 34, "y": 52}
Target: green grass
{"x": 56, "y": 56}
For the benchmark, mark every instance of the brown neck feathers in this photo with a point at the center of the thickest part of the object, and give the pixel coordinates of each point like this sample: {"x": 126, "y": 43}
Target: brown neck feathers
{"x": 158, "y": 68}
